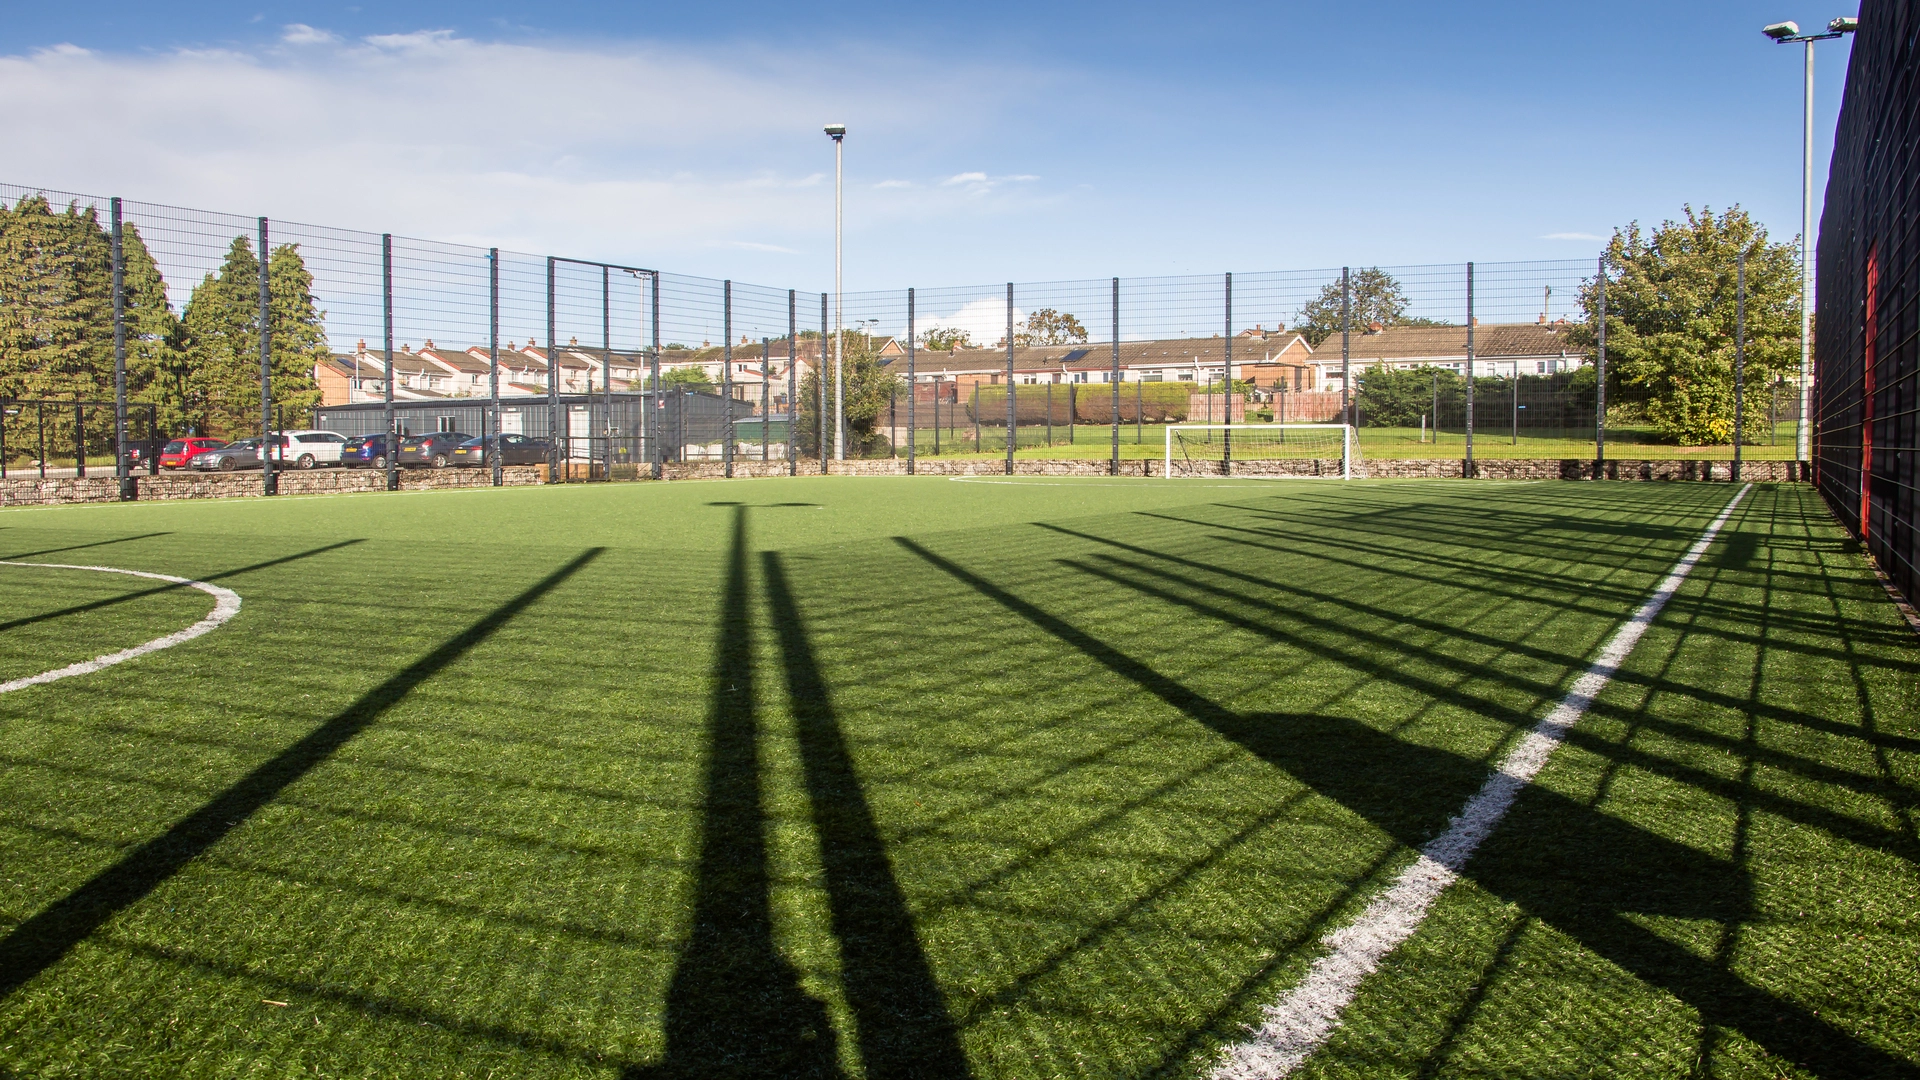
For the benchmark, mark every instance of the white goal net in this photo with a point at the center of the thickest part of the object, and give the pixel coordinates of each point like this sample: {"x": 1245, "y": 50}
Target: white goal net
{"x": 1275, "y": 451}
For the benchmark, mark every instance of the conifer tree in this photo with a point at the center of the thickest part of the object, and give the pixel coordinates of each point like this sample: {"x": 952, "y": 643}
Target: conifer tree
{"x": 221, "y": 331}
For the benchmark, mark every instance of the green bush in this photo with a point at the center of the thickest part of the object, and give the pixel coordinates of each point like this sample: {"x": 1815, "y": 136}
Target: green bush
{"x": 1154, "y": 403}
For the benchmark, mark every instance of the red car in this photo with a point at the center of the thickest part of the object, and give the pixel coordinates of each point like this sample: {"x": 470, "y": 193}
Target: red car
{"x": 177, "y": 453}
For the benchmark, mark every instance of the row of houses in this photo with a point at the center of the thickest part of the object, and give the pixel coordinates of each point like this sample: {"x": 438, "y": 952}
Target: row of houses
{"x": 1273, "y": 360}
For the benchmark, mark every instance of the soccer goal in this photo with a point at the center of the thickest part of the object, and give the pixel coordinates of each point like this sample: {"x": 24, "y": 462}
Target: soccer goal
{"x": 1269, "y": 451}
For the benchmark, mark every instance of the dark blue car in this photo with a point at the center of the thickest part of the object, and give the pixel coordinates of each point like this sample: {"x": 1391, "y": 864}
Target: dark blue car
{"x": 369, "y": 451}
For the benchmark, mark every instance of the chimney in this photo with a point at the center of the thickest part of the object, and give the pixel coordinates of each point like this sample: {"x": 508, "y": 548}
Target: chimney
{"x": 405, "y": 348}
{"x": 1374, "y": 327}
{"x": 1475, "y": 321}
{"x": 363, "y": 345}
{"x": 573, "y": 341}
{"x": 1543, "y": 318}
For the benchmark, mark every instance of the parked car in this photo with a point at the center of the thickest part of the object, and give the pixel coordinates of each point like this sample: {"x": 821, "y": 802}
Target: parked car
{"x": 176, "y": 454}
{"x": 514, "y": 450}
{"x": 435, "y": 450}
{"x": 306, "y": 449}
{"x": 244, "y": 454}
{"x": 369, "y": 451}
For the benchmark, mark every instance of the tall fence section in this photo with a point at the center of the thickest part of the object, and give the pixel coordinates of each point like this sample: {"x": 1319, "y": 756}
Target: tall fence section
{"x": 1866, "y": 448}
{"x": 597, "y": 370}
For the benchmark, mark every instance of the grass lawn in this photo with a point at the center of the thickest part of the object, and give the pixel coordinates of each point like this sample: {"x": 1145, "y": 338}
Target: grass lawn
{"x": 921, "y": 777}
{"x": 1149, "y": 441}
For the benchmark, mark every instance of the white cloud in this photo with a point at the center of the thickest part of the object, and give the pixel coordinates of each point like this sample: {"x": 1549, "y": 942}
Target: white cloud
{"x": 302, "y": 34}
{"x": 984, "y": 320}
{"x": 1571, "y": 236}
{"x": 749, "y": 245}
{"x": 966, "y": 178}
{"x": 640, "y": 153}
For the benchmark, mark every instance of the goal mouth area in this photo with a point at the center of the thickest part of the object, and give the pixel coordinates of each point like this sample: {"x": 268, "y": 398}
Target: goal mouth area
{"x": 1264, "y": 451}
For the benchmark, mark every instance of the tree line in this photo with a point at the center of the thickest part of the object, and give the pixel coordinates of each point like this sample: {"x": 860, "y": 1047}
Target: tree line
{"x": 200, "y": 367}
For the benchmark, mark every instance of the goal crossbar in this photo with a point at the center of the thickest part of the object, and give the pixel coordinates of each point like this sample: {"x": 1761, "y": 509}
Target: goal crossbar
{"x": 1278, "y": 451}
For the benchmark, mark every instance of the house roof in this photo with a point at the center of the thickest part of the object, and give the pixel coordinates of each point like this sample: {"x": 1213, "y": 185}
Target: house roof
{"x": 1422, "y": 342}
{"x": 1169, "y": 352}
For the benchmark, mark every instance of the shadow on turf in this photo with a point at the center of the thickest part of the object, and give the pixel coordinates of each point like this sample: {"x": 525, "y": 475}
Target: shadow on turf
{"x": 1584, "y": 872}
{"x": 735, "y": 1007}
{"x": 171, "y": 586}
{"x": 79, "y": 547}
{"x": 40, "y": 941}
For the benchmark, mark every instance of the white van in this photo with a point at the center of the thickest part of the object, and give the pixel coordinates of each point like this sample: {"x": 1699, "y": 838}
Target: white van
{"x": 306, "y": 449}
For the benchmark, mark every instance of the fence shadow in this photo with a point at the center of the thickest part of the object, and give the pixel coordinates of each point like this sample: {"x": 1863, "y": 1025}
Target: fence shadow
{"x": 735, "y": 1007}
{"x": 40, "y": 941}
{"x": 1587, "y": 873}
{"x": 905, "y": 1029}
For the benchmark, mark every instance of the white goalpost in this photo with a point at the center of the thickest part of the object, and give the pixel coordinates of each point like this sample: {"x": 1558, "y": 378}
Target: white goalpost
{"x": 1265, "y": 451}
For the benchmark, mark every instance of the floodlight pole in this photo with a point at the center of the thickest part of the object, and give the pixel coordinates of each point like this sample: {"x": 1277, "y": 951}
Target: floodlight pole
{"x": 1789, "y": 34}
{"x": 838, "y": 133}
{"x": 1739, "y": 358}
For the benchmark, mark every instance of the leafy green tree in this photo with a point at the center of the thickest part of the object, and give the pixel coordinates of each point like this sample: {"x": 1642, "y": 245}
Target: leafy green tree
{"x": 1376, "y": 297}
{"x": 221, "y": 334}
{"x": 870, "y": 388}
{"x": 1671, "y": 320}
{"x": 1050, "y": 327}
{"x": 1399, "y": 397}
{"x": 690, "y": 377}
{"x": 946, "y": 339}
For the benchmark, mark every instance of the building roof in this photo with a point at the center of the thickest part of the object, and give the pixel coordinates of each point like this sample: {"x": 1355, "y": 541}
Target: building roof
{"x": 1168, "y": 352}
{"x": 1422, "y": 342}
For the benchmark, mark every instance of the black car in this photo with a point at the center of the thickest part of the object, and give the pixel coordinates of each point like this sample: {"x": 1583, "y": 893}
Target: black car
{"x": 514, "y": 450}
{"x": 435, "y": 450}
{"x": 244, "y": 454}
{"x": 369, "y": 451}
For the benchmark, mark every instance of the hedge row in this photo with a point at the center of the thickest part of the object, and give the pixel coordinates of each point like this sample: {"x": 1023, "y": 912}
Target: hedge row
{"x": 1084, "y": 403}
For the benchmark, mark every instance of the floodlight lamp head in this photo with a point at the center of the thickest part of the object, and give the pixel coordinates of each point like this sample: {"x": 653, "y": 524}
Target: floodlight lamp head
{"x": 1781, "y": 31}
{"x": 1843, "y": 25}
{"x": 836, "y": 132}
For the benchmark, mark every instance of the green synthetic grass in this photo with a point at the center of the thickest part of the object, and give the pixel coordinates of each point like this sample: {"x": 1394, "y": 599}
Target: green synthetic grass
{"x": 917, "y": 777}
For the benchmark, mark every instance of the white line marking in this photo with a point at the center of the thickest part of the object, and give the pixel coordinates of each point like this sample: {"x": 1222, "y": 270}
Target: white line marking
{"x": 1305, "y": 1018}
{"x": 226, "y": 604}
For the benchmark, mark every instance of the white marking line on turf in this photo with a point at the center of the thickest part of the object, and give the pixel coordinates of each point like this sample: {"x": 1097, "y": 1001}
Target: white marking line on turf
{"x": 1305, "y": 1018}
{"x": 226, "y": 604}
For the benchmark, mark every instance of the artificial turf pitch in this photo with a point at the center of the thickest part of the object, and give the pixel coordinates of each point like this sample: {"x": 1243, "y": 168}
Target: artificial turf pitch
{"x": 916, "y": 777}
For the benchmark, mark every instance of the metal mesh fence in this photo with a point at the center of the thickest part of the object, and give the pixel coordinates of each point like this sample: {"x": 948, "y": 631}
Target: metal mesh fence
{"x": 1866, "y": 452}
{"x": 602, "y": 371}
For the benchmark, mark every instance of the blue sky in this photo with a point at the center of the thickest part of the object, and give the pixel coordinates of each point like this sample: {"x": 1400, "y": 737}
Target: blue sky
{"x": 989, "y": 141}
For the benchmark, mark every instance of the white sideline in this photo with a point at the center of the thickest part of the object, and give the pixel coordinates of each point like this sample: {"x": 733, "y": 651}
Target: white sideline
{"x": 226, "y": 605}
{"x": 1303, "y": 1020}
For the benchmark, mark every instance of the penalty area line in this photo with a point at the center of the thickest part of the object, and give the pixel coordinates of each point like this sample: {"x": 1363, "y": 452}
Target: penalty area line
{"x": 1303, "y": 1020}
{"x": 226, "y": 604}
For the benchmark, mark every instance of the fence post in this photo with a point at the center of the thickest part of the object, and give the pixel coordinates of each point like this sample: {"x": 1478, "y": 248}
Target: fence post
{"x": 606, "y": 374}
{"x": 1516, "y": 403}
{"x": 1600, "y": 370}
{"x": 499, "y": 444}
{"x": 267, "y": 449}
{"x": 1226, "y": 388}
{"x": 793, "y": 365}
{"x": 553, "y": 386}
{"x": 656, "y": 406}
{"x": 390, "y": 447}
{"x": 1468, "y": 468}
{"x": 913, "y": 390}
{"x": 1012, "y": 419}
{"x": 766, "y": 390}
{"x": 1739, "y": 357}
{"x": 122, "y": 469}
{"x": 1113, "y": 376}
{"x": 822, "y": 384}
{"x": 1139, "y": 414}
{"x": 79, "y": 438}
{"x": 1346, "y": 346}
{"x": 726, "y": 376}
{"x": 1049, "y": 414}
